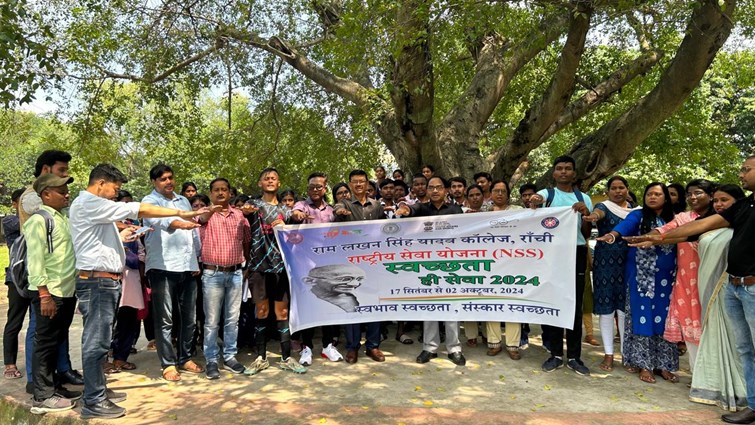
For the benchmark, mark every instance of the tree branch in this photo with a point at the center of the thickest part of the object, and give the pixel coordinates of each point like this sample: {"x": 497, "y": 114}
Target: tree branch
{"x": 595, "y": 96}
{"x": 608, "y": 148}
{"x": 543, "y": 113}
{"x": 497, "y": 65}
{"x": 168, "y": 72}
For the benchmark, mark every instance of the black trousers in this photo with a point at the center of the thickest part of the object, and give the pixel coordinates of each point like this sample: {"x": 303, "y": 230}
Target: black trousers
{"x": 126, "y": 332}
{"x": 17, "y": 308}
{"x": 555, "y": 335}
{"x": 51, "y": 333}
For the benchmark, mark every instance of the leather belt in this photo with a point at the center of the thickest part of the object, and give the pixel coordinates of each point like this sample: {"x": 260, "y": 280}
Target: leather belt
{"x": 742, "y": 281}
{"x": 92, "y": 274}
{"x": 232, "y": 268}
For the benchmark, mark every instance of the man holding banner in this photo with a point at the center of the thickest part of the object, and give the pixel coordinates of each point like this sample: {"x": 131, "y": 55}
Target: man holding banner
{"x": 358, "y": 208}
{"x": 437, "y": 188}
{"x": 565, "y": 194}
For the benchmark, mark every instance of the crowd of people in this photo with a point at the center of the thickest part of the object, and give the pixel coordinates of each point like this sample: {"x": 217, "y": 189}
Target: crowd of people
{"x": 204, "y": 272}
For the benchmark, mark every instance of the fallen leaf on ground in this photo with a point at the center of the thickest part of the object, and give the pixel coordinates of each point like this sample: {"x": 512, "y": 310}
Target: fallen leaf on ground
{"x": 428, "y": 403}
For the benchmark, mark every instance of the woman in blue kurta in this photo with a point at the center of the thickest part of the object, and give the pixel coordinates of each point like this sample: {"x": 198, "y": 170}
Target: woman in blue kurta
{"x": 649, "y": 276}
{"x": 609, "y": 289}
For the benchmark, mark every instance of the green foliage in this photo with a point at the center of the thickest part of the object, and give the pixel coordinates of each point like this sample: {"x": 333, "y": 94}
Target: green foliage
{"x": 27, "y": 60}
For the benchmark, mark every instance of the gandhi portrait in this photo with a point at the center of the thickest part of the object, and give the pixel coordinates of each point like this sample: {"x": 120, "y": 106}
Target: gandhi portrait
{"x": 335, "y": 284}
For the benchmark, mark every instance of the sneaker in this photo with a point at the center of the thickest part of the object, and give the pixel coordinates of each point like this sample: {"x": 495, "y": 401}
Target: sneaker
{"x": 105, "y": 409}
{"x": 331, "y": 353}
{"x": 52, "y": 404}
{"x": 65, "y": 393}
{"x": 212, "y": 371}
{"x": 552, "y": 364}
{"x": 305, "y": 358}
{"x": 577, "y": 366}
{"x": 114, "y": 396}
{"x": 292, "y": 365}
{"x": 233, "y": 366}
{"x": 257, "y": 366}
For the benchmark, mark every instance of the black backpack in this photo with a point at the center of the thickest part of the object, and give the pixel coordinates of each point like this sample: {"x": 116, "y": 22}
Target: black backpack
{"x": 18, "y": 266}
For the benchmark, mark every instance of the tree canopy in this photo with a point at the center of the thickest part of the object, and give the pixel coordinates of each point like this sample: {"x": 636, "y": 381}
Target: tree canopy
{"x": 465, "y": 85}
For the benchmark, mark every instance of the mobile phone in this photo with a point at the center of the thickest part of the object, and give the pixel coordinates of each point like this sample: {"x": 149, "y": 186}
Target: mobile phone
{"x": 140, "y": 231}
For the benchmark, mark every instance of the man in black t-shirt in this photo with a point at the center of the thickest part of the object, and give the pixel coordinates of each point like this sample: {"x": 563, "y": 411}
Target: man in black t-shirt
{"x": 740, "y": 292}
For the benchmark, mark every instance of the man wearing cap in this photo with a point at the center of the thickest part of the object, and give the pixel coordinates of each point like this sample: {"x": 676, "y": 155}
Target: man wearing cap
{"x": 56, "y": 163}
{"x": 51, "y": 282}
{"x": 100, "y": 259}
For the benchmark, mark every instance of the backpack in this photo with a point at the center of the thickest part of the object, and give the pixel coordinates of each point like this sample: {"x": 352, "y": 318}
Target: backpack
{"x": 18, "y": 268}
{"x": 552, "y": 194}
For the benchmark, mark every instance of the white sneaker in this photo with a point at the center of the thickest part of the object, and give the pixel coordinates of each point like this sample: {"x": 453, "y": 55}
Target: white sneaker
{"x": 306, "y": 357}
{"x": 331, "y": 353}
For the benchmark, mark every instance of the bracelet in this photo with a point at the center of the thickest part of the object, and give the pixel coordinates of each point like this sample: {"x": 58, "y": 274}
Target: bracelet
{"x": 613, "y": 239}
{"x": 45, "y": 296}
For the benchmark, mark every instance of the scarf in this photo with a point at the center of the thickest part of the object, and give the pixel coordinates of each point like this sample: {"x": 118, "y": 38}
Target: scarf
{"x": 618, "y": 210}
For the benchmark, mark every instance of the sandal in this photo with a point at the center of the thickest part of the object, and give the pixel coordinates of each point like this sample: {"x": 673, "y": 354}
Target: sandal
{"x": 11, "y": 372}
{"x": 472, "y": 342}
{"x": 647, "y": 376}
{"x": 152, "y": 346}
{"x": 171, "y": 374}
{"x": 124, "y": 365}
{"x": 666, "y": 375}
{"x": 589, "y": 339}
{"x": 607, "y": 363}
{"x": 404, "y": 339}
{"x": 109, "y": 368}
{"x": 631, "y": 369}
{"x": 191, "y": 367}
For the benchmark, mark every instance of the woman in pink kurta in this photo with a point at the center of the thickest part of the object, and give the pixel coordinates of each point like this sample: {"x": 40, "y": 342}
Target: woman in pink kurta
{"x": 683, "y": 322}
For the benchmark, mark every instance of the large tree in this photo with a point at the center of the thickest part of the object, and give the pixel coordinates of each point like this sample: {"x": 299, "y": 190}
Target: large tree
{"x": 465, "y": 85}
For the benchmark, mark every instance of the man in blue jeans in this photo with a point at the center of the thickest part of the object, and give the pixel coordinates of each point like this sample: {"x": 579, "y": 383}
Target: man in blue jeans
{"x": 100, "y": 259}
{"x": 172, "y": 249}
{"x": 740, "y": 291}
{"x": 226, "y": 237}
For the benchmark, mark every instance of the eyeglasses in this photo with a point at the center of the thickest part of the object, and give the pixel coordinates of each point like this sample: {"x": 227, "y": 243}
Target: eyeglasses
{"x": 316, "y": 187}
{"x": 696, "y": 194}
{"x": 499, "y": 191}
{"x": 435, "y": 188}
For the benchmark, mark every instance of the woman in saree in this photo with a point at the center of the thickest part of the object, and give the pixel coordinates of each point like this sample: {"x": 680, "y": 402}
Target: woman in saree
{"x": 649, "y": 277}
{"x": 718, "y": 378}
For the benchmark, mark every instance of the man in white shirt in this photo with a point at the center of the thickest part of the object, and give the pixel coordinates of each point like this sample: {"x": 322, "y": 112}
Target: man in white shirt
{"x": 100, "y": 259}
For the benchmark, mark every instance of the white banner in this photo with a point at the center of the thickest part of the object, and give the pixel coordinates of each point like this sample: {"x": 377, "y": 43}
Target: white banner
{"x": 509, "y": 266}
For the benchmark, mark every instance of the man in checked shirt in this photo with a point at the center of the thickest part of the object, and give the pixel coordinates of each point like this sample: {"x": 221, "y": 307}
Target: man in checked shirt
{"x": 226, "y": 237}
